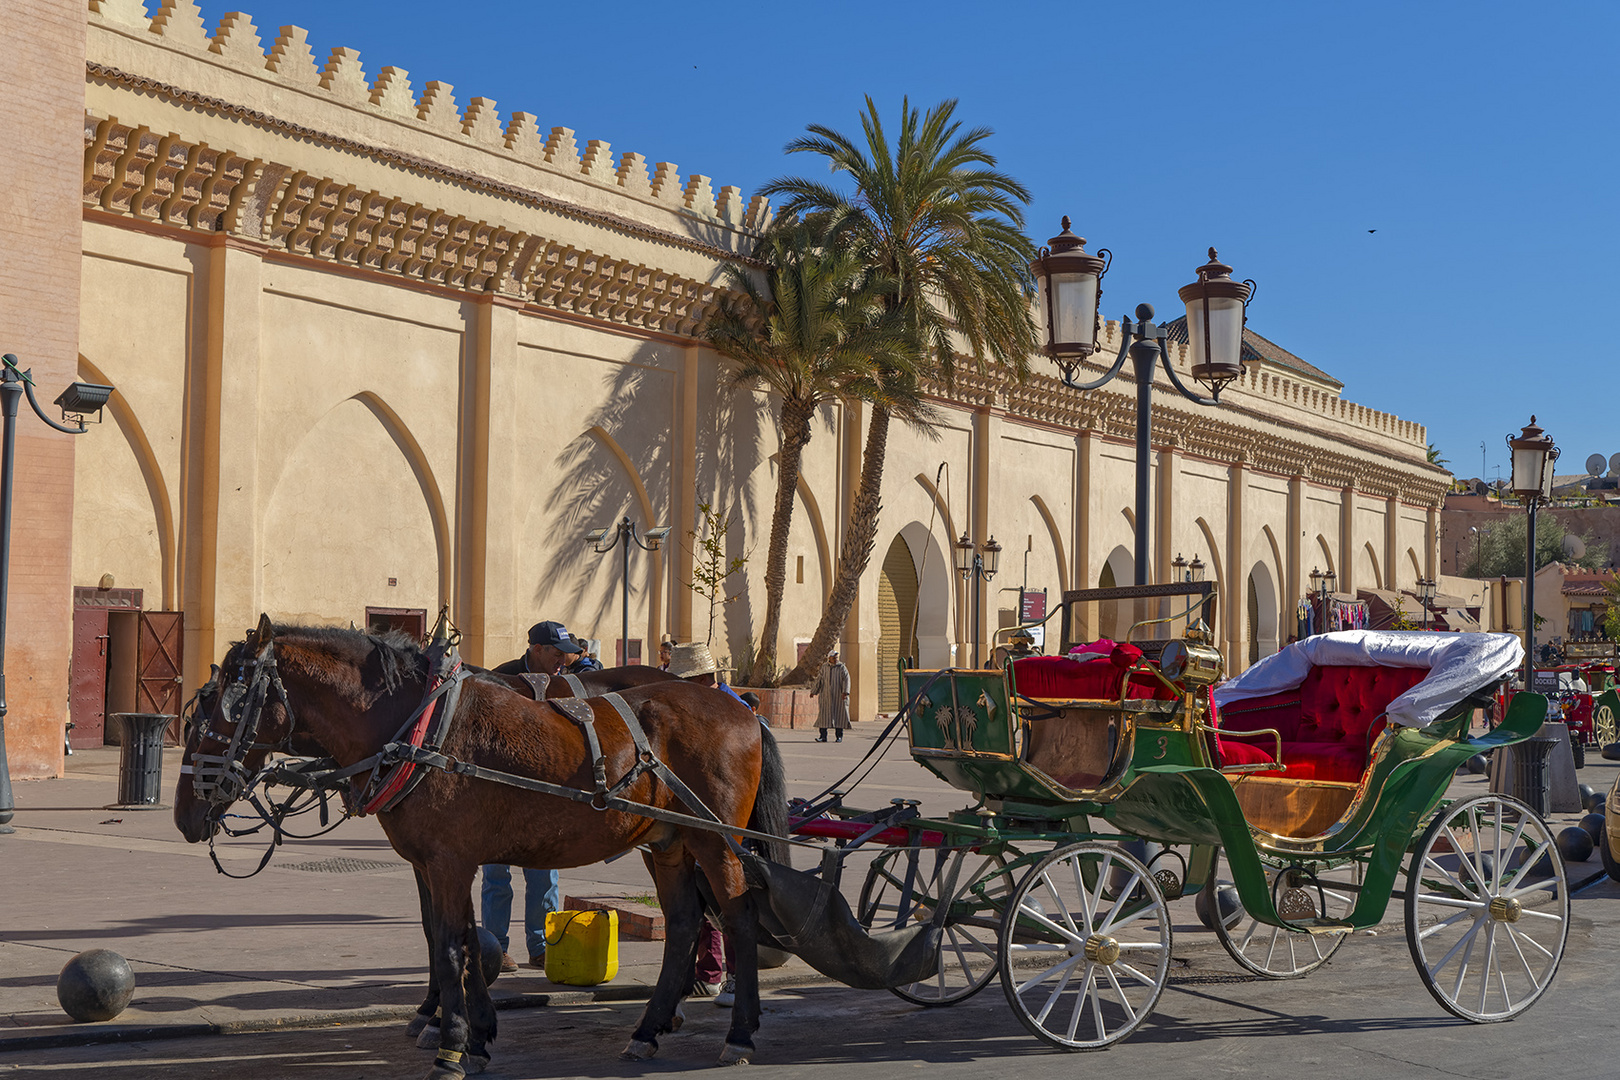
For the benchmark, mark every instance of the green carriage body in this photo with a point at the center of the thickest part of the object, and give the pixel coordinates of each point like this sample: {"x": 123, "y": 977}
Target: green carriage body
{"x": 1144, "y": 768}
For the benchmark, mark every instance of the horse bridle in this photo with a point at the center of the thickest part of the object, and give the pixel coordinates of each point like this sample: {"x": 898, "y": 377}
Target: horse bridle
{"x": 221, "y": 779}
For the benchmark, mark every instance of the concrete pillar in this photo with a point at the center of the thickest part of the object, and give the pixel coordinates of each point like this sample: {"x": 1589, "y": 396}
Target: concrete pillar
{"x": 1431, "y": 543}
{"x": 859, "y": 643}
{"x": 683, "y": 499}
{"x": 1085, "y": 468}
{"x": 485, "y": 532}
{"x": 1347, "y": 540}
{"x": 1237, "y": 569}
{"x": 983, "y": 594}
{"x": 1294, "y": 586}
{"x": 1392, "y": 536}
{"x": 220, "y": 512}
{"x": 1164, "y": 507}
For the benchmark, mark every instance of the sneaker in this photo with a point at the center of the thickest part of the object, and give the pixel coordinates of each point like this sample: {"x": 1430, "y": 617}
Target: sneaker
{"x": 703, "y": 989}
{"x": 727, "y": 997}
{"x": 507, "y": 963}
{"x": 538, "y": 961}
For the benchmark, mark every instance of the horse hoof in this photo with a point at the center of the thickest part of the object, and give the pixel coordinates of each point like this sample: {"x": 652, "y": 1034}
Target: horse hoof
{"x": 476, "y": 1063}
{"x": 736, "y": 1055}
{"x": 416, "y": 1026}
{"x": 446, "y": 1070}
{"x": 430, "y": 1037}
{"x": 639, "y": 1050}
{"x": 678, "y": 1019}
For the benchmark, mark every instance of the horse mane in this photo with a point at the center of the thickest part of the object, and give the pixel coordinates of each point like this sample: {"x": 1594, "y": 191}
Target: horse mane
{"x": 398, "y": 655}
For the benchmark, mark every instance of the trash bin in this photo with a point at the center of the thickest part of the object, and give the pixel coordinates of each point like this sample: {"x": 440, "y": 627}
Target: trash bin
{"x": 1532, "y": 774}
{"x": 140, "y": 762}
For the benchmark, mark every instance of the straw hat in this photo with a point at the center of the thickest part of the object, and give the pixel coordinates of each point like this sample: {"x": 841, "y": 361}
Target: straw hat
{"x": 686, "y": 661}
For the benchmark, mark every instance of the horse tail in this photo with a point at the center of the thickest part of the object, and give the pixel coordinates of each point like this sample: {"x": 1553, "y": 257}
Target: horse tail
{"x": 771, "y": 801}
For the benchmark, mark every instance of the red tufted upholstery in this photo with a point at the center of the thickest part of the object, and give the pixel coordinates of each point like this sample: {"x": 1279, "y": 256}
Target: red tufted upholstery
{"x": 1328, "y": 723}
{"x": 1066, "y": 679}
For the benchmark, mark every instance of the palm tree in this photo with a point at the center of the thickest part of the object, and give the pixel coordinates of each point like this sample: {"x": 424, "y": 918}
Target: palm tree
{"x": 1432, "y": 453}
{"x": 936, "y": 216}
{"x": 812, "y": 334}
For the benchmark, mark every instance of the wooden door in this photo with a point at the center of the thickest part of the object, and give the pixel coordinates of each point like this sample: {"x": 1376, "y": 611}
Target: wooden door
{"x": 87, "y": 699}
{"x": 157, "y": 666}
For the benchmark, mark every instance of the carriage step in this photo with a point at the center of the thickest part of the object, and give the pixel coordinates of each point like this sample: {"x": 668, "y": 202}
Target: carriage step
{"x": 1322, "y": 926}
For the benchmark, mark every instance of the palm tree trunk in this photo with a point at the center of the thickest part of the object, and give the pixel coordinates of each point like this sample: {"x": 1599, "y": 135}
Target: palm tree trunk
{"x": 855, "y": 554}
{"x": 796, "y": 416}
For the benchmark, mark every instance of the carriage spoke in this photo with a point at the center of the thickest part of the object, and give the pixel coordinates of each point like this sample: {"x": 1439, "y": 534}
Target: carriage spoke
{"x": 1057, "y": 992}
{"x": 1491, "y": 975}
{"x": 1124, "y": 999}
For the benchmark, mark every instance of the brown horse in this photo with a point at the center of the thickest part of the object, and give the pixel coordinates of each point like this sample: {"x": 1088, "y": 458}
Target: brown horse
{"x": 349, "y": 693}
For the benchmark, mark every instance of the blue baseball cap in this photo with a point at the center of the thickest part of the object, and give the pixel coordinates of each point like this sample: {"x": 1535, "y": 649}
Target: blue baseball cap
{"x": 554, "y": 634}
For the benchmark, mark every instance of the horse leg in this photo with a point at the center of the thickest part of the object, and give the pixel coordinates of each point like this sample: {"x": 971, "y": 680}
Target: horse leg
{"x": 480, "y": 1008}
{"x": 452, "y": 921}
{"x": 430, "y": 1004}
{"x": 683, "y": 910}
{"x": 741, "y": 919}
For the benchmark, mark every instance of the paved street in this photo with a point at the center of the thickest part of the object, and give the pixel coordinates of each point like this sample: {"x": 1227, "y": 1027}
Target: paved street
{"x": 340, "y": 943}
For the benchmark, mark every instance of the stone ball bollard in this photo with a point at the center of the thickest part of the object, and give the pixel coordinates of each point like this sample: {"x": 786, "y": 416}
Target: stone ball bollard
{"x": 95, "y": 985}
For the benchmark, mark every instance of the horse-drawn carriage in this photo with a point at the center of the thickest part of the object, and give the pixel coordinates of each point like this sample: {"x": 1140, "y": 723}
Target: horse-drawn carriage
{"x": 1106, "y": 783}
{"x": 1293, "y": 801}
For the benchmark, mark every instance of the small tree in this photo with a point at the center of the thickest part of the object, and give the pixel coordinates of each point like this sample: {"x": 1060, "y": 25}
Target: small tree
{"x": 1611, "y": 616}
{"x": 1498, "y": 550}
{"x": 711, "y": 566}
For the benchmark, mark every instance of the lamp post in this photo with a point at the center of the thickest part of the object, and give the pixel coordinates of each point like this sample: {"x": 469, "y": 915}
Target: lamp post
{"x": 1068, "y": 294}
{"x": 974, "y": 562}
{"x": 1534, "y": 456}
{"x": 1322, "y": 584}
{"x": 624, "y": 536}
{"x": 1425, "y": 592}
{"x": 76, "y": 402}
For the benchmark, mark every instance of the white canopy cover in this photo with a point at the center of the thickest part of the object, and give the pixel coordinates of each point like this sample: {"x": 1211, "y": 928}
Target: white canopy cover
{"x": 1458, "y": 665}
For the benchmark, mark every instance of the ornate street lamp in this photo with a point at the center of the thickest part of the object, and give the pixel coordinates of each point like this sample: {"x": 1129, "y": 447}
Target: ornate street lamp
{"x": 1425, "y": 591}
{"x": 976, "y": 562}
{"x": 1195, "y": 569}
{"x": 1068, "y": 295}
{"x": 77, "y": 402}
{"x": 1178, "y": 568}
{"x": 624, "y": 535}
{"x": 1322, "y": 584}
{"x": 1534, "y": 456}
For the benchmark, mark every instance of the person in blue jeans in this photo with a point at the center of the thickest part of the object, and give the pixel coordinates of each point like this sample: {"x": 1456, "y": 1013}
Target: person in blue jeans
{"x": 540, "y": 895}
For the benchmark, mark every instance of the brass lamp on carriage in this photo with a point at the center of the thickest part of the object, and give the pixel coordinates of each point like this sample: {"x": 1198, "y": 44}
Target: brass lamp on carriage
{"x": 1068, "y": 284}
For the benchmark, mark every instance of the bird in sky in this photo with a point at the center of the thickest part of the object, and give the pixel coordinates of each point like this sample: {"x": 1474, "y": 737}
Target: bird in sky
{"x": 1372, "y": 230}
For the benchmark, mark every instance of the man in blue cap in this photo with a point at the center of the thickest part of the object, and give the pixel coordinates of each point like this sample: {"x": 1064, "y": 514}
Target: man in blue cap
{"x": 551, "y": 648}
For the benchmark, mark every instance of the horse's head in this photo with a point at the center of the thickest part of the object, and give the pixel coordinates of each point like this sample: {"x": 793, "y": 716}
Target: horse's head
{"x": 238, "y": 718}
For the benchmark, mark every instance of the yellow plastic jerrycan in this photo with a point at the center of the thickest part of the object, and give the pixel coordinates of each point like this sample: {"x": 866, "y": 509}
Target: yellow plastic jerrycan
{"x": 582, "y": 947}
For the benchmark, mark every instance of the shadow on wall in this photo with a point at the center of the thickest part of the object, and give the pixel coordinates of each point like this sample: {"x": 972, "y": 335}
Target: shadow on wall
{"x": 593, "y": 487}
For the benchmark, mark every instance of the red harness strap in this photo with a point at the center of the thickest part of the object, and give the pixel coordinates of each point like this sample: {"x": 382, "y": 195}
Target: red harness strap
{"x": 400, "y": 775}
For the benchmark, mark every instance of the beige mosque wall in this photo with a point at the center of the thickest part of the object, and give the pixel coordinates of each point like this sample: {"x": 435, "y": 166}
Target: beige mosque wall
{"x": 367, "y": 328}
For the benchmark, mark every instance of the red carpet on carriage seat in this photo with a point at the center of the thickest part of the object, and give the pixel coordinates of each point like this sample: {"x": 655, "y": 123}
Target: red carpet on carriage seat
{"x": 1327, "y": 724}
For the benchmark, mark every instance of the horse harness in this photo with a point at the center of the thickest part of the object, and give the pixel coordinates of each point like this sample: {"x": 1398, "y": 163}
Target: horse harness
{"x": 393, "y": 772}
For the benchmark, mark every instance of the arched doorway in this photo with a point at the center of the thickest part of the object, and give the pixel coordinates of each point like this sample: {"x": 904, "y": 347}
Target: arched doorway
{"x": 1120, "y": 569}
{"x": 897, "y": 607}
{"x": 1263, "y": 614}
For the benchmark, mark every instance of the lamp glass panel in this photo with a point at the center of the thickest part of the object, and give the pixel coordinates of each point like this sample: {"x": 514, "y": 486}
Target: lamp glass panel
{"x": 992, "y": 557}
{"x": 1226, "y": 332}
{"x": 1074, "y": 311}
{"x": 1548, "y": 468}
{"x": 1527, "y": 469}
{"x": 963, "y": 553}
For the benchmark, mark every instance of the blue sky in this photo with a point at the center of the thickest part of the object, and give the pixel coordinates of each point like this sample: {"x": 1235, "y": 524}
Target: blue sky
{"x": 1478, "y": 139}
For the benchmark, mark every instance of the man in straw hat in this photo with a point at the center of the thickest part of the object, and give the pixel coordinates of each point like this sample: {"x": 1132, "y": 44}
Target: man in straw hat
{"x": 695, "y": 663}
{"x": 832, "y": 687}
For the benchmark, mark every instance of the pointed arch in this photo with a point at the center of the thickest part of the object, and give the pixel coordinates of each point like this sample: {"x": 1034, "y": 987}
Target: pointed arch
{"x": 156, "y": 488}
{"x": 401, "y": 434}
{"x": 1214, "y": 551}
{"x": 818, "y": 528}
{"x": 1417, "y": 570}
{"x": 1057, "y": 543}
{"x": 1372, "y": 559}
{"x": 1327, "y": 555}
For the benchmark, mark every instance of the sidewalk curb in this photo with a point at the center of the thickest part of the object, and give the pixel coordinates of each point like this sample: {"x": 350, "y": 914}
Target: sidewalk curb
{"x": 113, "y": 1033}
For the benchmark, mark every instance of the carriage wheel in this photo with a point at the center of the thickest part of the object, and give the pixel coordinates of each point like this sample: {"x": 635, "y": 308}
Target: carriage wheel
{"x": 1270, "y": 951}
{"x": 1487, "y": 908}
{"x": 1080, "y": 970}
{"x": 967, "y": 959}
{"x": 1604, "y": 729}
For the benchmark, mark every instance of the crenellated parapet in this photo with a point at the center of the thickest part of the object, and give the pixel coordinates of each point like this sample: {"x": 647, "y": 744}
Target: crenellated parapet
{"x": 270, "y": 79}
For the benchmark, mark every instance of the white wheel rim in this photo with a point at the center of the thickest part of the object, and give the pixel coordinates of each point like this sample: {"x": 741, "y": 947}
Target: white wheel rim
{"x": 1061, "y": 992}
{"x": 967, "y": 959}
{"x": 1486, "y": 933}
{"x": 1274, "y": 953}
